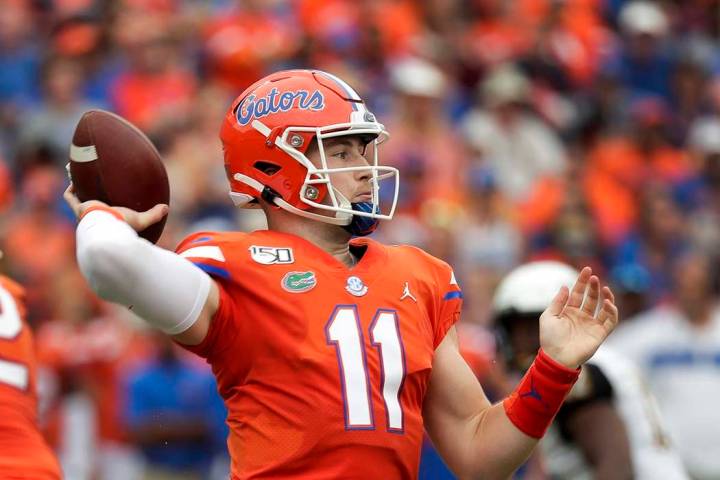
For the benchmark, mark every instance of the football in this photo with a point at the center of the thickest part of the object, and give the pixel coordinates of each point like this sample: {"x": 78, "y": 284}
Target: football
{"x": 111, "y": 160}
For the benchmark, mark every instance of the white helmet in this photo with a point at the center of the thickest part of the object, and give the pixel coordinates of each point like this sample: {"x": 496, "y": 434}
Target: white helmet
{"x": 521, "y": 297}
{"x": 531, "y": 287}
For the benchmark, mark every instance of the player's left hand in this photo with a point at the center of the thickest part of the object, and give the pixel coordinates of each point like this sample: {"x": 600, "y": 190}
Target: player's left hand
{"x": 571, "y": 330}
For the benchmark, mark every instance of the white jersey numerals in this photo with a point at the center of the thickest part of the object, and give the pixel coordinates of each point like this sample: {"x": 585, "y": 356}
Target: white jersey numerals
{"x": 385, "y": 336}
{"x": 11, "y": 373}
{"x": 344, "y": 332}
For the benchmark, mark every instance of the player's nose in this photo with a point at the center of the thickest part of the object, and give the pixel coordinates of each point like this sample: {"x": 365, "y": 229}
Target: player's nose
{"x": 363, "y": 175}
{"x": 361, "y": 161}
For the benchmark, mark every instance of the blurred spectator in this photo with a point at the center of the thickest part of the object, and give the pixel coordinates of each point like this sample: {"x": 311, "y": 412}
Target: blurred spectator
{"x": 659, "y": 240}
{"x": 621, "y": 165}
{"x": 52, "y": 123}
{"x": 704, "y": 219}
{"x": 19, "y": 55}
{"x": 7, "y": 189}
{"x": 488, "y": 238}
{"x": 423, "y": 145}
{"x": 558, "y": 221}
{"x": 486, "y": 244}
{"x": 644, "y": 62}
{"x": 20, "y": 64}
{"x": 689, "y": 96}
{"x": 515, "y": 145}
{"x": 631, "y": 284}
{"x": 193, "y": 158}
{"x": 678, "y": 345}
{"x": 365, "y": 32}
{"x": 495, "y": 35}
{"x": 241, "y": 42}
{"x": 37, "y": 242}
{"x": 571, "y": 236}
{"x": 158, "y": 86}
{"x": 572, "y": 42}
{"x": 76, "y": 35}
{"x": 172, "y": 412}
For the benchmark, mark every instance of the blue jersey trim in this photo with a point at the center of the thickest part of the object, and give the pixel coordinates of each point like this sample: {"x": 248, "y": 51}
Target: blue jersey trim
{"x": 212, "y": 270}
{"x": 201, "y": 239}
{"x": 453, "y": 294}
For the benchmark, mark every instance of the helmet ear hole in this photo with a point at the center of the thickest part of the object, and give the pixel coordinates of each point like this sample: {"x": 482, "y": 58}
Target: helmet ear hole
{"x": 267, "y": 168}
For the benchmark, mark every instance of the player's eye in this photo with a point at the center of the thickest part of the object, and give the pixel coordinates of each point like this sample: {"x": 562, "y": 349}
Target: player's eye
{"x": 342, "y": 154}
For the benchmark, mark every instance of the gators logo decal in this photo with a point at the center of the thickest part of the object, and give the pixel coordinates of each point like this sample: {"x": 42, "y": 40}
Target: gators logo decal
{"x": 298, "y": 282}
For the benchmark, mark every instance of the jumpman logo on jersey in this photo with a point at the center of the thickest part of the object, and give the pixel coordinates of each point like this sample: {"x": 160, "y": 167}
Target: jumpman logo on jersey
{"x": 406, "y": 293}
{"x": 534, "y": 393}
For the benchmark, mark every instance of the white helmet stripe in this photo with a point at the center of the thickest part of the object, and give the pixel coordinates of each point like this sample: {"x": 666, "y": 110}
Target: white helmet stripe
{"x": 358, "y": 105}
{"x": 348, "y": 89}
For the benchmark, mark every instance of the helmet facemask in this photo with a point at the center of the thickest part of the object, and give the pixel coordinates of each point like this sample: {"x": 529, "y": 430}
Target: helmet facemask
{"x": 318, "y": 177}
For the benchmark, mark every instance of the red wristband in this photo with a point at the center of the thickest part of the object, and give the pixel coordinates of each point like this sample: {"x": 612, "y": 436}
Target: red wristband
{"x": 537, "y": 399}
{"x": 102, "y": 208}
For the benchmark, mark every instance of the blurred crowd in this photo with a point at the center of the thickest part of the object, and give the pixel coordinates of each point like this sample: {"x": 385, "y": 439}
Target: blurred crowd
{"x": 586, "y": 131}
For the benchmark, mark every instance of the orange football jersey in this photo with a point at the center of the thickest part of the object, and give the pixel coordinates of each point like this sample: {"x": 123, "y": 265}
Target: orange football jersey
{"x": 23, "y": 451}
{"x": 323, "y": 369}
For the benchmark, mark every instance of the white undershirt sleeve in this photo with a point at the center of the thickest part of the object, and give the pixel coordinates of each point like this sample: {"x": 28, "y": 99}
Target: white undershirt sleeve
{"x": 163, "y": 288}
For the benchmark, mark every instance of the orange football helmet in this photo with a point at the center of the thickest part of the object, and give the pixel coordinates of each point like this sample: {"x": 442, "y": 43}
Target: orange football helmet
{"x": 266, "y": 134}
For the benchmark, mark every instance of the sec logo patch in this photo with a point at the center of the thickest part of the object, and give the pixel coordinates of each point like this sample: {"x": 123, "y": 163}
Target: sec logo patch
{"x": 356, "y": 287}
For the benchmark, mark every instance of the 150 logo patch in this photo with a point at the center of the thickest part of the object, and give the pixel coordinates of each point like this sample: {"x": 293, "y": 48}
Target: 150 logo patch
{"x": 271, "y": 255}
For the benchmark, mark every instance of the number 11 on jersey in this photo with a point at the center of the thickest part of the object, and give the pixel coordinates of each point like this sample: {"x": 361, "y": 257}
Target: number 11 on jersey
{"x": 344, "y": 331}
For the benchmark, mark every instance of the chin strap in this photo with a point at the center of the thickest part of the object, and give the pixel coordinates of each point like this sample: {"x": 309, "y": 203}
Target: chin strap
{"x": 358, "y": 226}
{"x": 361, "y": 226}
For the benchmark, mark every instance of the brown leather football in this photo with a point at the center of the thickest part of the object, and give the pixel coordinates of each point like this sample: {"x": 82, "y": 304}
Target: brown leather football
{"x": 111, "y": 160}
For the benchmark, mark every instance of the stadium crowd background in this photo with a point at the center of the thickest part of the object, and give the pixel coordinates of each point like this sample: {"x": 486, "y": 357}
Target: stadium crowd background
{"x": 583, "y": 130}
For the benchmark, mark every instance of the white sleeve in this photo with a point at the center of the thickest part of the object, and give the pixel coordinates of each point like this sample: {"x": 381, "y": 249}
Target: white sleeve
{"x": 163, "y": 288}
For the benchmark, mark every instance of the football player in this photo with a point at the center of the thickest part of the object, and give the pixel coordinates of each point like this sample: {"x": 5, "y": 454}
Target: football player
{"x": 609, "y": 426}
{"x": 332, "y": 351}
{"x": 23, "y": 450}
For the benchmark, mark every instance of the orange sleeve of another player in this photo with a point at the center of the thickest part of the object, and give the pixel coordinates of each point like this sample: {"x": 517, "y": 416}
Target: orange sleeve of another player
{"x": 205, "y": 250}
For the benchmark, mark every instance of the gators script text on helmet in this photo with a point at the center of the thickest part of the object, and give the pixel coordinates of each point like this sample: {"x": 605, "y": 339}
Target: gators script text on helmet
{"x": 266, "y": 135}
